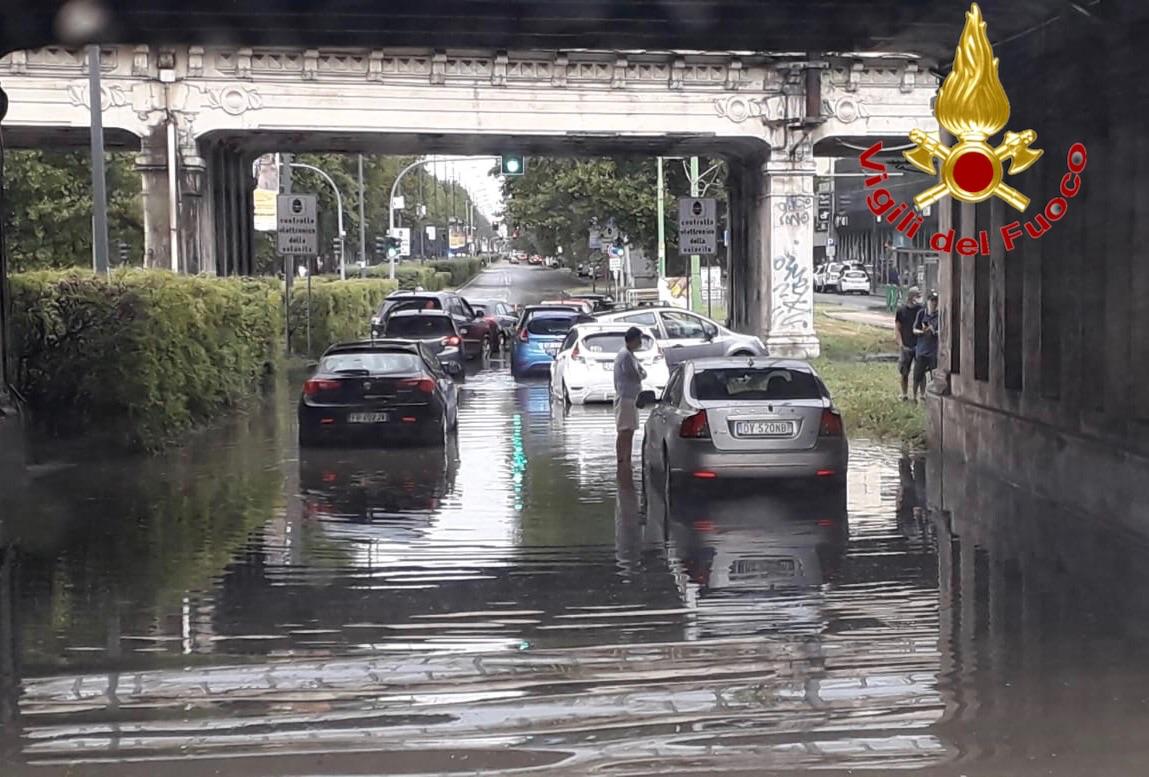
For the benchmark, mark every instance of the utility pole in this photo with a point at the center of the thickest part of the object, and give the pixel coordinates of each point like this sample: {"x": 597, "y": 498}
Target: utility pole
{"x": 99, "y": 180}
{"x": 661, "y": 224}
{"x": 362, "y": 221}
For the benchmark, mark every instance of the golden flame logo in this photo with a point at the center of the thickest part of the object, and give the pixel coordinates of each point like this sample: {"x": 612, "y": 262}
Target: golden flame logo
{"x": 973, "y": 105}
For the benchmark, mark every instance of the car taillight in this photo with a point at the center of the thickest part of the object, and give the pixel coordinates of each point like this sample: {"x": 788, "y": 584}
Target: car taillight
{"x": 452, "y": 340}
{"x": 523, "y": 336}
{"x": 576, "y": 355}
{"x": 831, "y": 425}
{"x": 315, "y": 385}
{"x": 426, "y": 385}
{"x": 696, "y": 427}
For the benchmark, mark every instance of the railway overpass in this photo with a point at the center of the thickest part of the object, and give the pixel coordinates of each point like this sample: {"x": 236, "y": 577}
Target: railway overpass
{"x": 1043, "y": 377}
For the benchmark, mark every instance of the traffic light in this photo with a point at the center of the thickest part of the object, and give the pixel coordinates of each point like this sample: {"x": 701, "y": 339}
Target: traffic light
{"x": 394, "y": 245}
{"x": 123, "y": 252}
{"x": 336, "y": 247}
{"x": 380, "y": 246}
{"x": 513, "y": 164}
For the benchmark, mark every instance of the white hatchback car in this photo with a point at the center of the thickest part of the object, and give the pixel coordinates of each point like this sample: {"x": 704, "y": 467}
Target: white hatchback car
{"x": 583, "y": 369}
{"x": 854, "y": 282}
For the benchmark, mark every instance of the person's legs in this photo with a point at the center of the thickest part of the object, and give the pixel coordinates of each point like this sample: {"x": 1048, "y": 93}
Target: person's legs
{"x": 623, "y": 445}
{"x": 920, "y": 365}
{"x": 905, "y": 364}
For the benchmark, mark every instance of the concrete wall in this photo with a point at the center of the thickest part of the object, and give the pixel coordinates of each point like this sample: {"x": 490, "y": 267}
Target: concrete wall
{"x": 1047, "y": 351}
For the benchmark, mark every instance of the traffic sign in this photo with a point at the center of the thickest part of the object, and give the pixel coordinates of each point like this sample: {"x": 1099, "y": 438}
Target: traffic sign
{"x": 697, "y": 226}
{"x": 296, "y": 225}
{"x": 594, "y": 240}
{"x": 615, "y": 262}
{"x": 404, "y": 236}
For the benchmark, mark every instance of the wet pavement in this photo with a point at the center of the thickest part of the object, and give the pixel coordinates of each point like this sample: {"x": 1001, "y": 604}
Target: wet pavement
{"x": 237, "y": 608}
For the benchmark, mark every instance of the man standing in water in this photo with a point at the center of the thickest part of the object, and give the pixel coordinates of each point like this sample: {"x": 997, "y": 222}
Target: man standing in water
{"x": 927, "y": 328}
{"x": 628, "y": 377}
{"x": 904, "y": 322}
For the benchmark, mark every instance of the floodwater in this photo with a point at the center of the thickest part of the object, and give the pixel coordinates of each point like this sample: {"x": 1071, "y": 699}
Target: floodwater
{"x": 239, "y": 608}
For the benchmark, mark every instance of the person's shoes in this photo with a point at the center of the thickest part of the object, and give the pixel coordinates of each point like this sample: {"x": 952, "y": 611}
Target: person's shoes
{"x": 905, "y": 398}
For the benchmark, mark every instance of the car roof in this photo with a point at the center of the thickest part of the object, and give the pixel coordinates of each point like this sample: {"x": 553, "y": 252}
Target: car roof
{"x": 420, "y": 312}
{"x": 568, "y": 309}
{"x": 381, "y": 344}
{"x": 721, "y": 362}
{"x": 420, "y": 294}
{"x": 609, "y": 327}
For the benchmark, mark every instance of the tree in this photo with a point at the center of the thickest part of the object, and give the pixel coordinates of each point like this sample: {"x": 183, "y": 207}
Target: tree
{"x": 556, "y": 202}
{"x": 49, "y": 209}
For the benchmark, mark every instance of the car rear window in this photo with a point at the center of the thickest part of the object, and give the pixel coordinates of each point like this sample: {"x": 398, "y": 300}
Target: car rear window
{"x": 751, "y": 383}
{"x": 411, "y": 303}
{"x": 857, "y": 275}
{"x": 613, "y": 342}
{"x": 374, "y": 362}
{"x": 550, "y": 323}
{"x": 419, "y": 326}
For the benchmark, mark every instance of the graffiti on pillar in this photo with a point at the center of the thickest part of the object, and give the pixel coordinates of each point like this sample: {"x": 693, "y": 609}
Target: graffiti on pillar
{"x": 793, "y": 210}
{"x": 792, "y": 300}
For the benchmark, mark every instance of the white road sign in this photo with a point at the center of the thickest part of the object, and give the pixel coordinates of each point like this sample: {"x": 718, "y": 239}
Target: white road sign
{"x": 430, "y": 233}
{"x": 697, "y": 226}
{"x": 615, "y": 263}
{"x": 297, "y": 228}
{"x": 404, "y": 235}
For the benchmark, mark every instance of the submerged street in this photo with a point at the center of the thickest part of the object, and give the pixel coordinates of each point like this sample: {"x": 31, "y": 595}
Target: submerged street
{"x": 512, "y": 603}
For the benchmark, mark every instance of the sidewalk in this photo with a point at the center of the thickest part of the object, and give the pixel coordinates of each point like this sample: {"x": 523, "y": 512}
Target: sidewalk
{"x": 879, "y": 318}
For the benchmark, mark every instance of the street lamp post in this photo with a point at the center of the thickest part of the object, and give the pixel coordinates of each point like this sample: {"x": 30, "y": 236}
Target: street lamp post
{"x": 339, "y": 207}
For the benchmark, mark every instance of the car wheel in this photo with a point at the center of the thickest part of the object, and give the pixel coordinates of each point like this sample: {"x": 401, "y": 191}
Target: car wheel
{"x": 485, "y": 349}
{"x": 566, "y": 395}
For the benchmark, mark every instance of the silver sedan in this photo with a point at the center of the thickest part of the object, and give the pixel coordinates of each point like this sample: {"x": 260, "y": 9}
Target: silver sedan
{"x": 743, "y": 418}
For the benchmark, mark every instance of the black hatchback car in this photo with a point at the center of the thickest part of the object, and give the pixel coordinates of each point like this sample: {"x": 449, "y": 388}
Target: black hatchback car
{"x": 382, "y": 392}
{"x": 436, "y": 329}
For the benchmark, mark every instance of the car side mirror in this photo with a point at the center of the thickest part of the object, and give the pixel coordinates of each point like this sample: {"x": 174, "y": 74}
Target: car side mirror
{"x": 646, "y": 399}
{"x": 711, "y": 331}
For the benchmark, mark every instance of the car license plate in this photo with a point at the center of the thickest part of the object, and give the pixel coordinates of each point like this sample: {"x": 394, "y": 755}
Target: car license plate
{"x": 763, "y": 428}
{"x": 551, "y": 348}
{"x": 763, "y": 567}
{"x": 367, "y": 418}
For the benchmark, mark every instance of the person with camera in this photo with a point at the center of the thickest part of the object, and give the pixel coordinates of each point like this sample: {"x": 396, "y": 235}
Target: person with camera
{"x": 927, "y": 328}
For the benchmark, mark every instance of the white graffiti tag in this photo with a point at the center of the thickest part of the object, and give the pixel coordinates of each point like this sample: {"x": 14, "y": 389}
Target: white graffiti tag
{"x": 792, "y": 307}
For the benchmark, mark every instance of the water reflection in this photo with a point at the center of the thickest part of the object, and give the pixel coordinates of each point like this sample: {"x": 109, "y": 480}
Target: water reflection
{"x": 515, "y": 600}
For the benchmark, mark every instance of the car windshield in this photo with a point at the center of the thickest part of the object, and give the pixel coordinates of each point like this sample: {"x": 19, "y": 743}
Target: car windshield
{"x": 612, "y": 342}
{"x": 419, "y": 326}
{"x": 550, "y": 323}
{"x": 373, "y": 362}
{"x": 753, "y": 383}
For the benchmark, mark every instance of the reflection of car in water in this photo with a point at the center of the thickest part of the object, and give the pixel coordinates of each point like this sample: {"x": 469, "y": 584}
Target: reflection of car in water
{"x": 757, "y": 561}
{"x": 367, "y": 485}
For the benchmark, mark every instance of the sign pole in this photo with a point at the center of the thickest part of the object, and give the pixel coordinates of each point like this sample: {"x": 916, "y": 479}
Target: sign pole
{"x": 695, "y": 271}
{"x": 288, "y": 273}
{"x": 309, "y": 308}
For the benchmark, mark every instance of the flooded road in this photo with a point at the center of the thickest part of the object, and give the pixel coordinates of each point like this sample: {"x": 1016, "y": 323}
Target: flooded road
{"x": 237, "y": 608}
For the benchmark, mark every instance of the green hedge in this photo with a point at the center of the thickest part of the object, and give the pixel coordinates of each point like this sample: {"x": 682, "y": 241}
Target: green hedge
{"x": 140, "y": 355}
{"x": 433, "y": 276}
{"x": 340, "y": 311}
{"x": 460, "y": 270}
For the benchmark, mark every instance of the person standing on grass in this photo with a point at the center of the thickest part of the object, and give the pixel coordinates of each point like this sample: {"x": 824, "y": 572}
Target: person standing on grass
{"x": 628, "y": 377}
{"x": 905, "y": 319}
{"x": 927, "y": 328}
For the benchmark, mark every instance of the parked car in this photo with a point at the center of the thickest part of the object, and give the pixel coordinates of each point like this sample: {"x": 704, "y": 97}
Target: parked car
{"x": 602, "y": 302}
{"x": 685, "y": 335}
{"x": 504, "y": 314}
{"x": 552, "y": 262}
{"x": 581, "y": 305}
{"x": 540, "y": 332}
{"x": 583, "y": 270}
{"x": 854, "y": 282}
{"x": 535, "y": 260}
{"x": 744, "y": 418}
{"x": 583, "y": 369}
{"x": 436, "y": 329}
{"x": 478, "y": 333}
{"x": 827, "y": 280}
{"x": 380, "y": 391}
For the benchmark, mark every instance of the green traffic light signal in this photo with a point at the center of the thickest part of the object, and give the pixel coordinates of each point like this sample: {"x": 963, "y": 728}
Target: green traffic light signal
{"x": 513, "y": 164}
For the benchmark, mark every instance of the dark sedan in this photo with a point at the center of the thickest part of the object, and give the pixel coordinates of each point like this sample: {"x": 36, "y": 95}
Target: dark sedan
{"x": 504, "y": 314}
{"x": 381, "y": 392}
{"x": 433, "y": 328}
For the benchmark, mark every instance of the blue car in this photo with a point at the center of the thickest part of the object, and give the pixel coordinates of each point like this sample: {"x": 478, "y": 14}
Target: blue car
{"x": 540, "y": 333}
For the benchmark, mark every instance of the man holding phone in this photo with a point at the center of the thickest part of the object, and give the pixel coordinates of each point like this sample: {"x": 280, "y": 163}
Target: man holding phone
{"x": 927, "y": 328}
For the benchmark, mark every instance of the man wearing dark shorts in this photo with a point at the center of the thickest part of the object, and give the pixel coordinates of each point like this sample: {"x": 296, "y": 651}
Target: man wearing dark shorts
{"x": 904, "y": 321}
{"x": 927, "y": 328}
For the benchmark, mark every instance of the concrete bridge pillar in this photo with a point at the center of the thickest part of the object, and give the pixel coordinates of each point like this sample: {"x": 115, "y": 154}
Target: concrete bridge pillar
{"x": 228, "y": 228}
{"x": 786, "y": 235}
{"x": 152, "y": 165}
{"x": 744, "y": 187}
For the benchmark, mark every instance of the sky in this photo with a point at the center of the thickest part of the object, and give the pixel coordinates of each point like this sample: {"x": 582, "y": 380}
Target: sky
{"x": 472, "y": 174}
